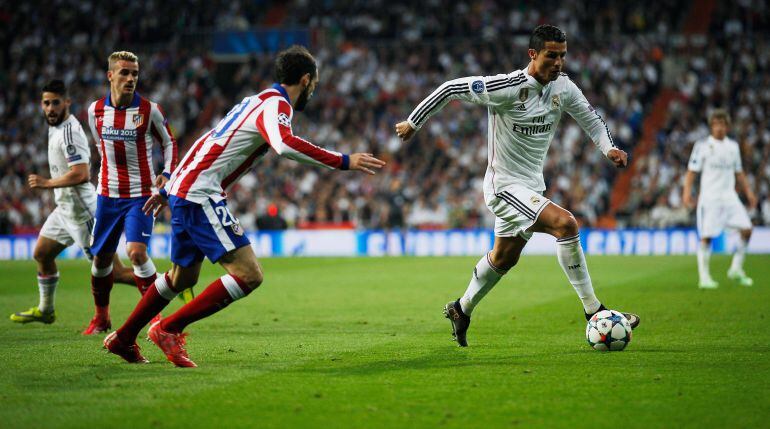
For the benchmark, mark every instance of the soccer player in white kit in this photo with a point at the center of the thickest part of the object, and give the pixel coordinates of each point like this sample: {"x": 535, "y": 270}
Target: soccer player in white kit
{"x": 718, "y": 160}
{"x": 524, "y": 109}
{"x": 72, "y": 219}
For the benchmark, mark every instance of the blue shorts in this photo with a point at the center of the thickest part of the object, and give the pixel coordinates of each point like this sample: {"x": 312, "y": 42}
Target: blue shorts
{"x": 113, "y": 216}
{"x": 199, "y": 230}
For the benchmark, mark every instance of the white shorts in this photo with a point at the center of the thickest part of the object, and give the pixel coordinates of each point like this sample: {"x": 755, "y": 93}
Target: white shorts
{"x": 714, "y": 217}
{"x": 63, "y": 230}
{"x": 516, "y": 209}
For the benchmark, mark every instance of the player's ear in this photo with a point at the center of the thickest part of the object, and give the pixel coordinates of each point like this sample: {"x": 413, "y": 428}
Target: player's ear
{"x": 305, "y": 81}
{"x": 532, "y": 54}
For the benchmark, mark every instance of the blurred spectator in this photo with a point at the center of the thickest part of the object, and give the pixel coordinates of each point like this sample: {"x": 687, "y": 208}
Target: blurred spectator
{"x": 377, "y": 60}
{"x": 271, "y": 220}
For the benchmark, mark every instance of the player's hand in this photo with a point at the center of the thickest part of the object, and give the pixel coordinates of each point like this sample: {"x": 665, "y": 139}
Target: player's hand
{"x": 618, "y": 157}
{"x": 404, "y": 130}
{"x": 154, "y": 205}
{"x": 37, "y": 182}
{"x": 689, "y": 201}
{"x": 365, "y": 162}
{"x": 160, "y": 181}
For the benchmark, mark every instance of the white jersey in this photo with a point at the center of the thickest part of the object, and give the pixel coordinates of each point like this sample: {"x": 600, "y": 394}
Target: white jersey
{"x": 523, "y": 116}
{"x": 255, "y": 125}
{"x": 68, "y": 146}
{"x": 718, "y": 161}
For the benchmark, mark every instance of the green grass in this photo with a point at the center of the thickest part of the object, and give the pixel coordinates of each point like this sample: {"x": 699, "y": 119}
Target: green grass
{"x": 362, "y": 343}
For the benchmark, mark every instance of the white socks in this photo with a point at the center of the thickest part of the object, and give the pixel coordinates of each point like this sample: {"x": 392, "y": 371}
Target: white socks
{"x": 145, "y": 270}
{"x": 46, "y": 284}
{"x": 704, "y": 254}
{"x": 485, "y": 277}
{"x": 573, "y": 262}
{"x": 100, "y": 272}
{"x": 163, "y": 288}
{"x": 739, "y": 256}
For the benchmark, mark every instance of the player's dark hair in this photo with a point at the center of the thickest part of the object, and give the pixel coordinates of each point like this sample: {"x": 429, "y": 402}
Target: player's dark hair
{"x": 545, "y": 33}
{"x": 293, "y": 63}
{"x": 57, "y": 87}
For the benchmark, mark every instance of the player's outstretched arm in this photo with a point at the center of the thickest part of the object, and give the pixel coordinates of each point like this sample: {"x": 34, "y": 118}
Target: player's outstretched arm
{"x": 365, "y": 162}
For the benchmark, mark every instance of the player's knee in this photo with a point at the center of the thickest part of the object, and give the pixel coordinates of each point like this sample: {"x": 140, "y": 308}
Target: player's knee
{"x": 41, "y": 255}
{"x": 256, "y": 280}
{"x": 253, "y": 279}
{"x": 137, "y": 254}
{"x": 566, "y": 226}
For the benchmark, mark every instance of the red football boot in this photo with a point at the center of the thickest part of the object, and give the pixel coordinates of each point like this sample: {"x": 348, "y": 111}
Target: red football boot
{"x": 129, "y": 353}
{"x": 97, "y": 326}
{"x": 172, "y": 345}
{"x": 155, "y": 319}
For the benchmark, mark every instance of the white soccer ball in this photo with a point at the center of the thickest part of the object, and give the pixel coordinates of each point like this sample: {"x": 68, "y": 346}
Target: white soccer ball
{"x": 608, "y": 330}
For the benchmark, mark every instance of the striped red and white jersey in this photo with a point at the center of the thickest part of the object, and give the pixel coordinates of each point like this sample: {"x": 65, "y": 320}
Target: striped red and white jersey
{"x": 252, "y": 127}
{"x": 124, "y": 138}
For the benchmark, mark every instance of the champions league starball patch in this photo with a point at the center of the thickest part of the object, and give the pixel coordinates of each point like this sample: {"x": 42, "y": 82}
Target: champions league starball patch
{"x": 284, "y": 120}
{"x": 477, "y": 87}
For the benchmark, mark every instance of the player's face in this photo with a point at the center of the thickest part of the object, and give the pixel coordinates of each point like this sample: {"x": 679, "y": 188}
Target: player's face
{"x": 55, "y": 108}
{"x": 719, "y": 128}
{"x": 549, "y": 61}
{"x": 306, "y": 93}
{"x": 123, "y": 77}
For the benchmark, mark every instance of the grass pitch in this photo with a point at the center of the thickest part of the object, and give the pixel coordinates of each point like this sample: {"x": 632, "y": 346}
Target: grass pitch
{"x": 362, "y": 343}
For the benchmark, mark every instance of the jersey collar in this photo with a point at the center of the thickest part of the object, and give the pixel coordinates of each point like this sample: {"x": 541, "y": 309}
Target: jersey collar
{"x": 532, "y": 81}
{"x": 134, "y": 103}
{"x": 282, "y": 90}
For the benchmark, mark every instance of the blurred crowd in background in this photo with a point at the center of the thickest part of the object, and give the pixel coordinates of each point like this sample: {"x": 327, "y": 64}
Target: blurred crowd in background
{"x": 377, "y": 61}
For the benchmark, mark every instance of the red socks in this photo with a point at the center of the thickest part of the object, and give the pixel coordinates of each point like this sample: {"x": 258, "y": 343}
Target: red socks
{"x": 144, "y": 283}
{"x": 215, "y": 297}
{"x": 100, "y": 288}
{"x": 156, "y": 298}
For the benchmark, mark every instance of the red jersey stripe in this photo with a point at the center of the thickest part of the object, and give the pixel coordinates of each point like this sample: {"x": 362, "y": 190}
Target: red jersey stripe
{"x": 142, "y": 148}
{"x": 104, "y": 172}
{"x": 124, "y": 184}
{"x": 209, "y": 159}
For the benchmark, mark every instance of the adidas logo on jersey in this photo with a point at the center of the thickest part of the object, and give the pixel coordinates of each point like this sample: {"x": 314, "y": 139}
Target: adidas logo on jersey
{"x": 520, "y": 108}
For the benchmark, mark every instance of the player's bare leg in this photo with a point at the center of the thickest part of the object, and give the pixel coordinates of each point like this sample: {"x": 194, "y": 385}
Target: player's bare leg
{"x": 244, "y": 275}
{"x": 45, "y": 253}
{"x": 121, "y": 273}
{"x": 560, "y": 223}
{"x": 705, "y": 281}
{"x": 736, "y": 267}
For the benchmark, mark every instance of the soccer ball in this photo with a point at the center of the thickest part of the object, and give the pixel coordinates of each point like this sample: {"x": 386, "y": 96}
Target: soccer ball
{"x": 608, "y": 330}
